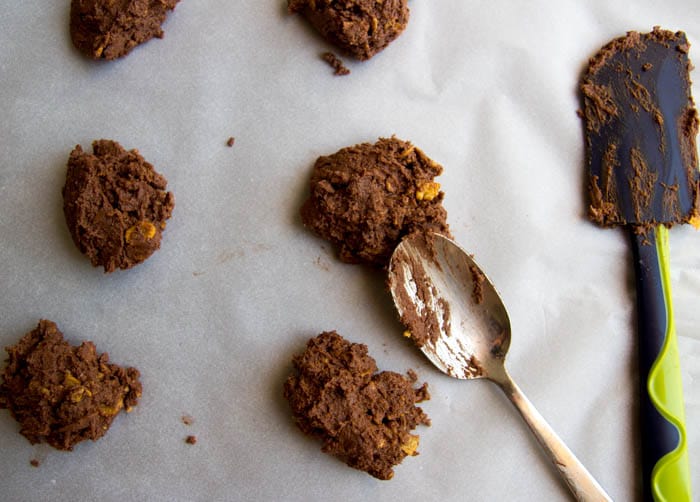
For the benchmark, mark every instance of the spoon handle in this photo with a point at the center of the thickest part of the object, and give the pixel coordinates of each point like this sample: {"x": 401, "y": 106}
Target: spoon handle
{"x": 582, "y": 485}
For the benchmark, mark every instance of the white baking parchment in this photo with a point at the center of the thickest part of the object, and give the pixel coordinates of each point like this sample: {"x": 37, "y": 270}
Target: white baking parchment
{"x": 486, "y": 88}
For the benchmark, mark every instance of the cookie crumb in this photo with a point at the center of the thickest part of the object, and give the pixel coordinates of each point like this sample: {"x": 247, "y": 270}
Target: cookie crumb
{"x": 34, "y": 462}
{"x": 422, "y": 394}
{"x": 230, "y": 141}
{"x": 187, "y": 419}
{"x": 336, "y": 63}
{"x": 191, "y": 440}
{"x": 412, "y": 375}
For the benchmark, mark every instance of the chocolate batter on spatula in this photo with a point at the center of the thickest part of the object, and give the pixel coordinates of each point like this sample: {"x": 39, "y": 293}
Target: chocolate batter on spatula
{"x": 639, "y": 112}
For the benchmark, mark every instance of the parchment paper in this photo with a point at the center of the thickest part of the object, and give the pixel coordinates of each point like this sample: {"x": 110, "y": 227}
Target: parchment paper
{"x": 486, "y": 88}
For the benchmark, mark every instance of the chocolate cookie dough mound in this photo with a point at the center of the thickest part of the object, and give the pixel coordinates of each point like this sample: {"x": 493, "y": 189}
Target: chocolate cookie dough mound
{"x": 367, "y": 197}
{"x": 61, "y": 394}
{"x": 115, "y": 205}
{"x": 360, "y": 28}
{"x": 363, "y": 417}
{"x": 109, "y": 29}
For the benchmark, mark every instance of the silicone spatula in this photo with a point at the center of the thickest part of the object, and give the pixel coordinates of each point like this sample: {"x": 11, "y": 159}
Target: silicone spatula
{"x": 640, "y": 128}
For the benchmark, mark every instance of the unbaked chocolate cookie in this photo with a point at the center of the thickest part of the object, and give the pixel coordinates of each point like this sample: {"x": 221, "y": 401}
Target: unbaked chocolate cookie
{"x": 360, "y": 28}
{"x": 109, "y": 29}
{"x": 367, "y": 197}
{"x": 62, "y": 394}
{"x": 362, "y": 417}
{"x": 115, "y": 205}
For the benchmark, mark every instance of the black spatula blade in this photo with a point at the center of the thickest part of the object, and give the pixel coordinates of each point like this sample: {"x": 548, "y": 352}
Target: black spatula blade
{"x": 641, "y": 125}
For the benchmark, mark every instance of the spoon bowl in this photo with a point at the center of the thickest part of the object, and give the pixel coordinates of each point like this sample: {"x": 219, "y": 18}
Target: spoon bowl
{"x": 454, "y": 314}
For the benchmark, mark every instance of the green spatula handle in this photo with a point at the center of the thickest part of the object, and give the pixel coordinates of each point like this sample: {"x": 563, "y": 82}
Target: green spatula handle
{"x": 665, "y": 471}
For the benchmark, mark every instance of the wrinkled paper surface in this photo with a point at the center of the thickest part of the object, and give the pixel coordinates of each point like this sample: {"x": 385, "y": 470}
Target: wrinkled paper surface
{"x": 487, "y": 89}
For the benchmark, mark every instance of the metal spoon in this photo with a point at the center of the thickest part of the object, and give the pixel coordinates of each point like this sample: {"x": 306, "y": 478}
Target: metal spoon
{"x": 457, "y": 318}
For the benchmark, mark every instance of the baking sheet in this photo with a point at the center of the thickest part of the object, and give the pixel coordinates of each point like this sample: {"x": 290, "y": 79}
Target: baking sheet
{"x": 488, "y": 89}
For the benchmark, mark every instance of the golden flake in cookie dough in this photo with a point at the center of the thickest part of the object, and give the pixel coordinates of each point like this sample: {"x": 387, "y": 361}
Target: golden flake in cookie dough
{"x": 363, "y": 417}
{"x": 115, "y": 205}
{"x": 62, "y": 394}
{"x": 360, "y": 28}
{"x": 110, "y": 29}
{"x": 366, "y": 198}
